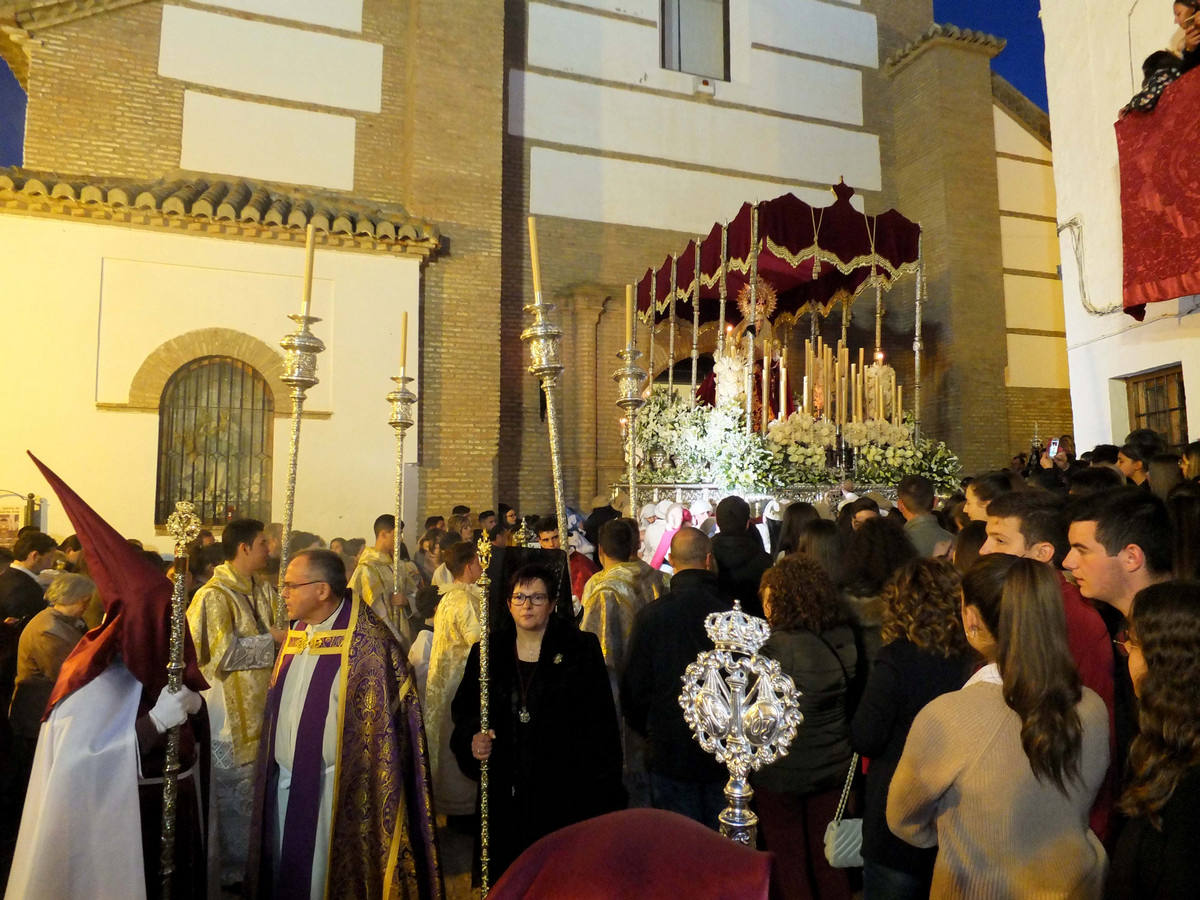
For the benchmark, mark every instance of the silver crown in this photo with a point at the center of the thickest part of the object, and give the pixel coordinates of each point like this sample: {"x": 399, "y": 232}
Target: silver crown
{"x": 737, "y": 632}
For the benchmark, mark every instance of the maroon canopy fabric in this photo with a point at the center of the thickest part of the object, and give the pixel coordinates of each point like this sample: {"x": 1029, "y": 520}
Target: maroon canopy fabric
{"x": 638, "y": 853}
{"x": 1160, "y": 192}
{"x": 812, "y": 257}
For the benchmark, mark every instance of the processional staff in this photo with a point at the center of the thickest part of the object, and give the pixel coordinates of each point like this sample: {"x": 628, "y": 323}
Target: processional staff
{"x": 184, "y": 526}
{"x": 695, "y": 328}
{"x": 402, "y": 401}
{"x": 724, "y": 288}
{"x": 753, "y": 325}
{"x": 629, "y": 378}
{"x": 300, "y": 373}
{"x": 917, "y": 343}
{"x": 545, "y": 340}
{"x": 671, "y": 327}
{"x": 485, "y": 644}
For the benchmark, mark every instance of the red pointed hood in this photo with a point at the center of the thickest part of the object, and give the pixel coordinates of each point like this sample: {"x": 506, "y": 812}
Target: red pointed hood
{"x": 137, "y": 607}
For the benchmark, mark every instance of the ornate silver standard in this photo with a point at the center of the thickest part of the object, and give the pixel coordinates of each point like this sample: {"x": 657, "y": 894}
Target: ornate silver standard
{"x": 741, "y": 708}
{"x": 545, "y": 363}
{"x": 402, "y": 401}
{"x": 299, "y": 373}
{"x": 183, "y": 525}
{"x": 485, "y": 643}
{"x": 629, "y": 379}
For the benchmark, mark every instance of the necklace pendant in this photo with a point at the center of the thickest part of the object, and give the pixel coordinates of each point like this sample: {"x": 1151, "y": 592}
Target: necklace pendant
{"x": 523, "y": 715}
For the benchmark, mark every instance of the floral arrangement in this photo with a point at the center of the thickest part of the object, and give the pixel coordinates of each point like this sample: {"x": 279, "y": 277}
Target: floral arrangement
{"x": 679, "y": 442}
{"x": 887, "y": 465}
{"x": 876, "y": 431}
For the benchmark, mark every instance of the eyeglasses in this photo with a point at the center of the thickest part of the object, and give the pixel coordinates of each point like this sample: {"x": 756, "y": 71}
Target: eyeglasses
{"x": 1124, "y": 642}
{"x": 291, "y": 586}
{"x": 534, "y": 599}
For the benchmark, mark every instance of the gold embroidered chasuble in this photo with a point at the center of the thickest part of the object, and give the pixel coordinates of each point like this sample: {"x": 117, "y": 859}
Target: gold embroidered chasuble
{"x": 229, "y": 619}
{"x": 611, "y": 601}
{"x": 373, "y": 583}
{"x": 455, "y": 632}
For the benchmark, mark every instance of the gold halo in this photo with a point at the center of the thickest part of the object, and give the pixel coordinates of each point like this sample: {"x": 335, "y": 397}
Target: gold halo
{"x": 765, "y": 297}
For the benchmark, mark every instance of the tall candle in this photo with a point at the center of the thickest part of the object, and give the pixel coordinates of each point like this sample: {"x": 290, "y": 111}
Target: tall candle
{"x": 853, "y": 397}
{"x": 309, "y": 250}
{"x": 860, "y": 361}
{"x": 879, "y": 414}
{"x": 766, "y": 386}
{"x": 899, "y": 404}
{"x": 403, "y": 342}
{"x": 533, "y": 255}
{"x": 807, "y": 396}
{"x": 629, "y": 315}
{"x": 782, "y": 386}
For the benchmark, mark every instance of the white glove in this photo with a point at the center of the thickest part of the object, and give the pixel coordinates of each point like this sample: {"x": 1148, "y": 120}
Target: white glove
{"x": 173, "y": 709}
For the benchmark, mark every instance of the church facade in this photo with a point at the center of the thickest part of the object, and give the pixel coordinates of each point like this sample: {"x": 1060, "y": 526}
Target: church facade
{"x": 175, "y": 151}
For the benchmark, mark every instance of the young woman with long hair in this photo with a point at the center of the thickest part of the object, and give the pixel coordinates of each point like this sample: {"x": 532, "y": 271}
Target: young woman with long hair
{"x": 924, "y": 655}
{"x": 1001, "y": 774}
{"x": 1156, "y": 855}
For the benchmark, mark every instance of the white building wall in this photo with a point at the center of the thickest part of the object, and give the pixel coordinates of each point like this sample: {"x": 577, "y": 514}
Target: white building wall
{"x": 280, "y": 137}
{"x": 618, "y": 139}
{"x": 1093, "y": 66}
{"x": 83, "y": 319}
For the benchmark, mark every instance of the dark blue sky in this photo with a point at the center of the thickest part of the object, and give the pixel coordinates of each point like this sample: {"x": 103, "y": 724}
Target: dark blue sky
{"x": 1021, "y": 62}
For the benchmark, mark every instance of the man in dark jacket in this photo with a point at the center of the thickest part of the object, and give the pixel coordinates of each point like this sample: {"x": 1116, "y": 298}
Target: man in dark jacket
{"x": 667, "y": 635}
{"x": 740, "y": 555}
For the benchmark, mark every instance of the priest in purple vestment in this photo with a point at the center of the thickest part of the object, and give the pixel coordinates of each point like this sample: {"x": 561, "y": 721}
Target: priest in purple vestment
{"x": 342, "y": 802}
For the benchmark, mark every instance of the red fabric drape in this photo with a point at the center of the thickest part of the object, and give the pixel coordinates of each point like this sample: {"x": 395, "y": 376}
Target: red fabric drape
{"x": 1160, "y": 197}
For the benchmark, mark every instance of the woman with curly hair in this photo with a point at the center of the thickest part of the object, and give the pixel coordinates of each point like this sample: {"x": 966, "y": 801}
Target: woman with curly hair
{"x": 1000, "y": 775}
{"x": 924, "y": 655}
{"x": 812, "y": 638}
{"x": 1156, "y": 856}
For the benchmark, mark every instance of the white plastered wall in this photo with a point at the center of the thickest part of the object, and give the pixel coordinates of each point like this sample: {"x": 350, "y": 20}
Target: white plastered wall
{"x": 1091, "y": 72}
{"x": 85, "y": 304}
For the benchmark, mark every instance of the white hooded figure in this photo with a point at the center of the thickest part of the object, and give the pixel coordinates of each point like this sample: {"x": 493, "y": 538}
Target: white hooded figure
{"x": 654, "y": 531}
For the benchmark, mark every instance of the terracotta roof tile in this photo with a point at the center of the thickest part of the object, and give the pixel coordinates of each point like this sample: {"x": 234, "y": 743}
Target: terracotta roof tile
{"x": 239, "y": 201}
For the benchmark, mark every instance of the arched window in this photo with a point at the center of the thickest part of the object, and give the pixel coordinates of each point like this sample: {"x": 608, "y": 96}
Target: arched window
{"x": 215, "y": 424}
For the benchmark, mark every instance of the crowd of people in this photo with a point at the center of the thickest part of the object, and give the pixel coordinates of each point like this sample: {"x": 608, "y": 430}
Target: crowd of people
{"x": 1007, "y": 679}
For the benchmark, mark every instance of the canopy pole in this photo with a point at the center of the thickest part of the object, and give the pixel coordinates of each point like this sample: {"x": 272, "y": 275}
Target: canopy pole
{"x": 814, "y": 327}
{"x": 845, "y": 323}
{"x": 724, "y": 288}
{"x": 917, "y": 345}
{"x": 753, "y": 324}
{"x": 650, "y": 329}
{"x": 878, "y": 320}
{"x": 671, "y": 336}
{"x": 695, "y": 325}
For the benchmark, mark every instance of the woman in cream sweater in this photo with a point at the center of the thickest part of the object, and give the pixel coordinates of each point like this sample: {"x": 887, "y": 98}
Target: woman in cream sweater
{"x": 1000, "y": 775}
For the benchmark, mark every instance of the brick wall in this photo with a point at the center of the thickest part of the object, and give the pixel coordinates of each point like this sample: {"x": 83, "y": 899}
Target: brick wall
{"x": 946, "y": 179}
{"x": 1046, "y": 410}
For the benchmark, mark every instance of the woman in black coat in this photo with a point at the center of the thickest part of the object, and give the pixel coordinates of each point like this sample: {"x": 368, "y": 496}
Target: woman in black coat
{"x": 1156, "y": 856}
{"x": 924, "y": 654}
{"x": 553, "y": 746}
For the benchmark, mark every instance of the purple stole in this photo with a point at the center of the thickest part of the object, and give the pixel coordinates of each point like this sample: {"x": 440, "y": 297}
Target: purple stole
{"x": 304, "y": 797}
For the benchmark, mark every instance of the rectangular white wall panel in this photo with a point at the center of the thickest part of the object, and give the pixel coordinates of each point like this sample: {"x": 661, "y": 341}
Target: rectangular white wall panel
{"x": 256, "y": 140}
{"x": 620, "y": 192}
{"x": 818, "y": 29}
{"x": 270, "y": 60}
{"x": 604, "y": 118}
{"x": 569, "y": 40}
{"x": 343, "y": 14}
{"x": 1028, "y": 244}
{"x": 1031, "y": 302}
{"x": 1026, "y": 187}
{"x": 1035, "y": 361}
{"x": 640, "y": 9}
{"x": 1013, "y": 137}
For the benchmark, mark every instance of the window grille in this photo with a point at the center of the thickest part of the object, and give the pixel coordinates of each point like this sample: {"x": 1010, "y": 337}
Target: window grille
{"x": 1156, "y": 401}
{"x": 215, "y": 426}
{"x": 695, "y": 37}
